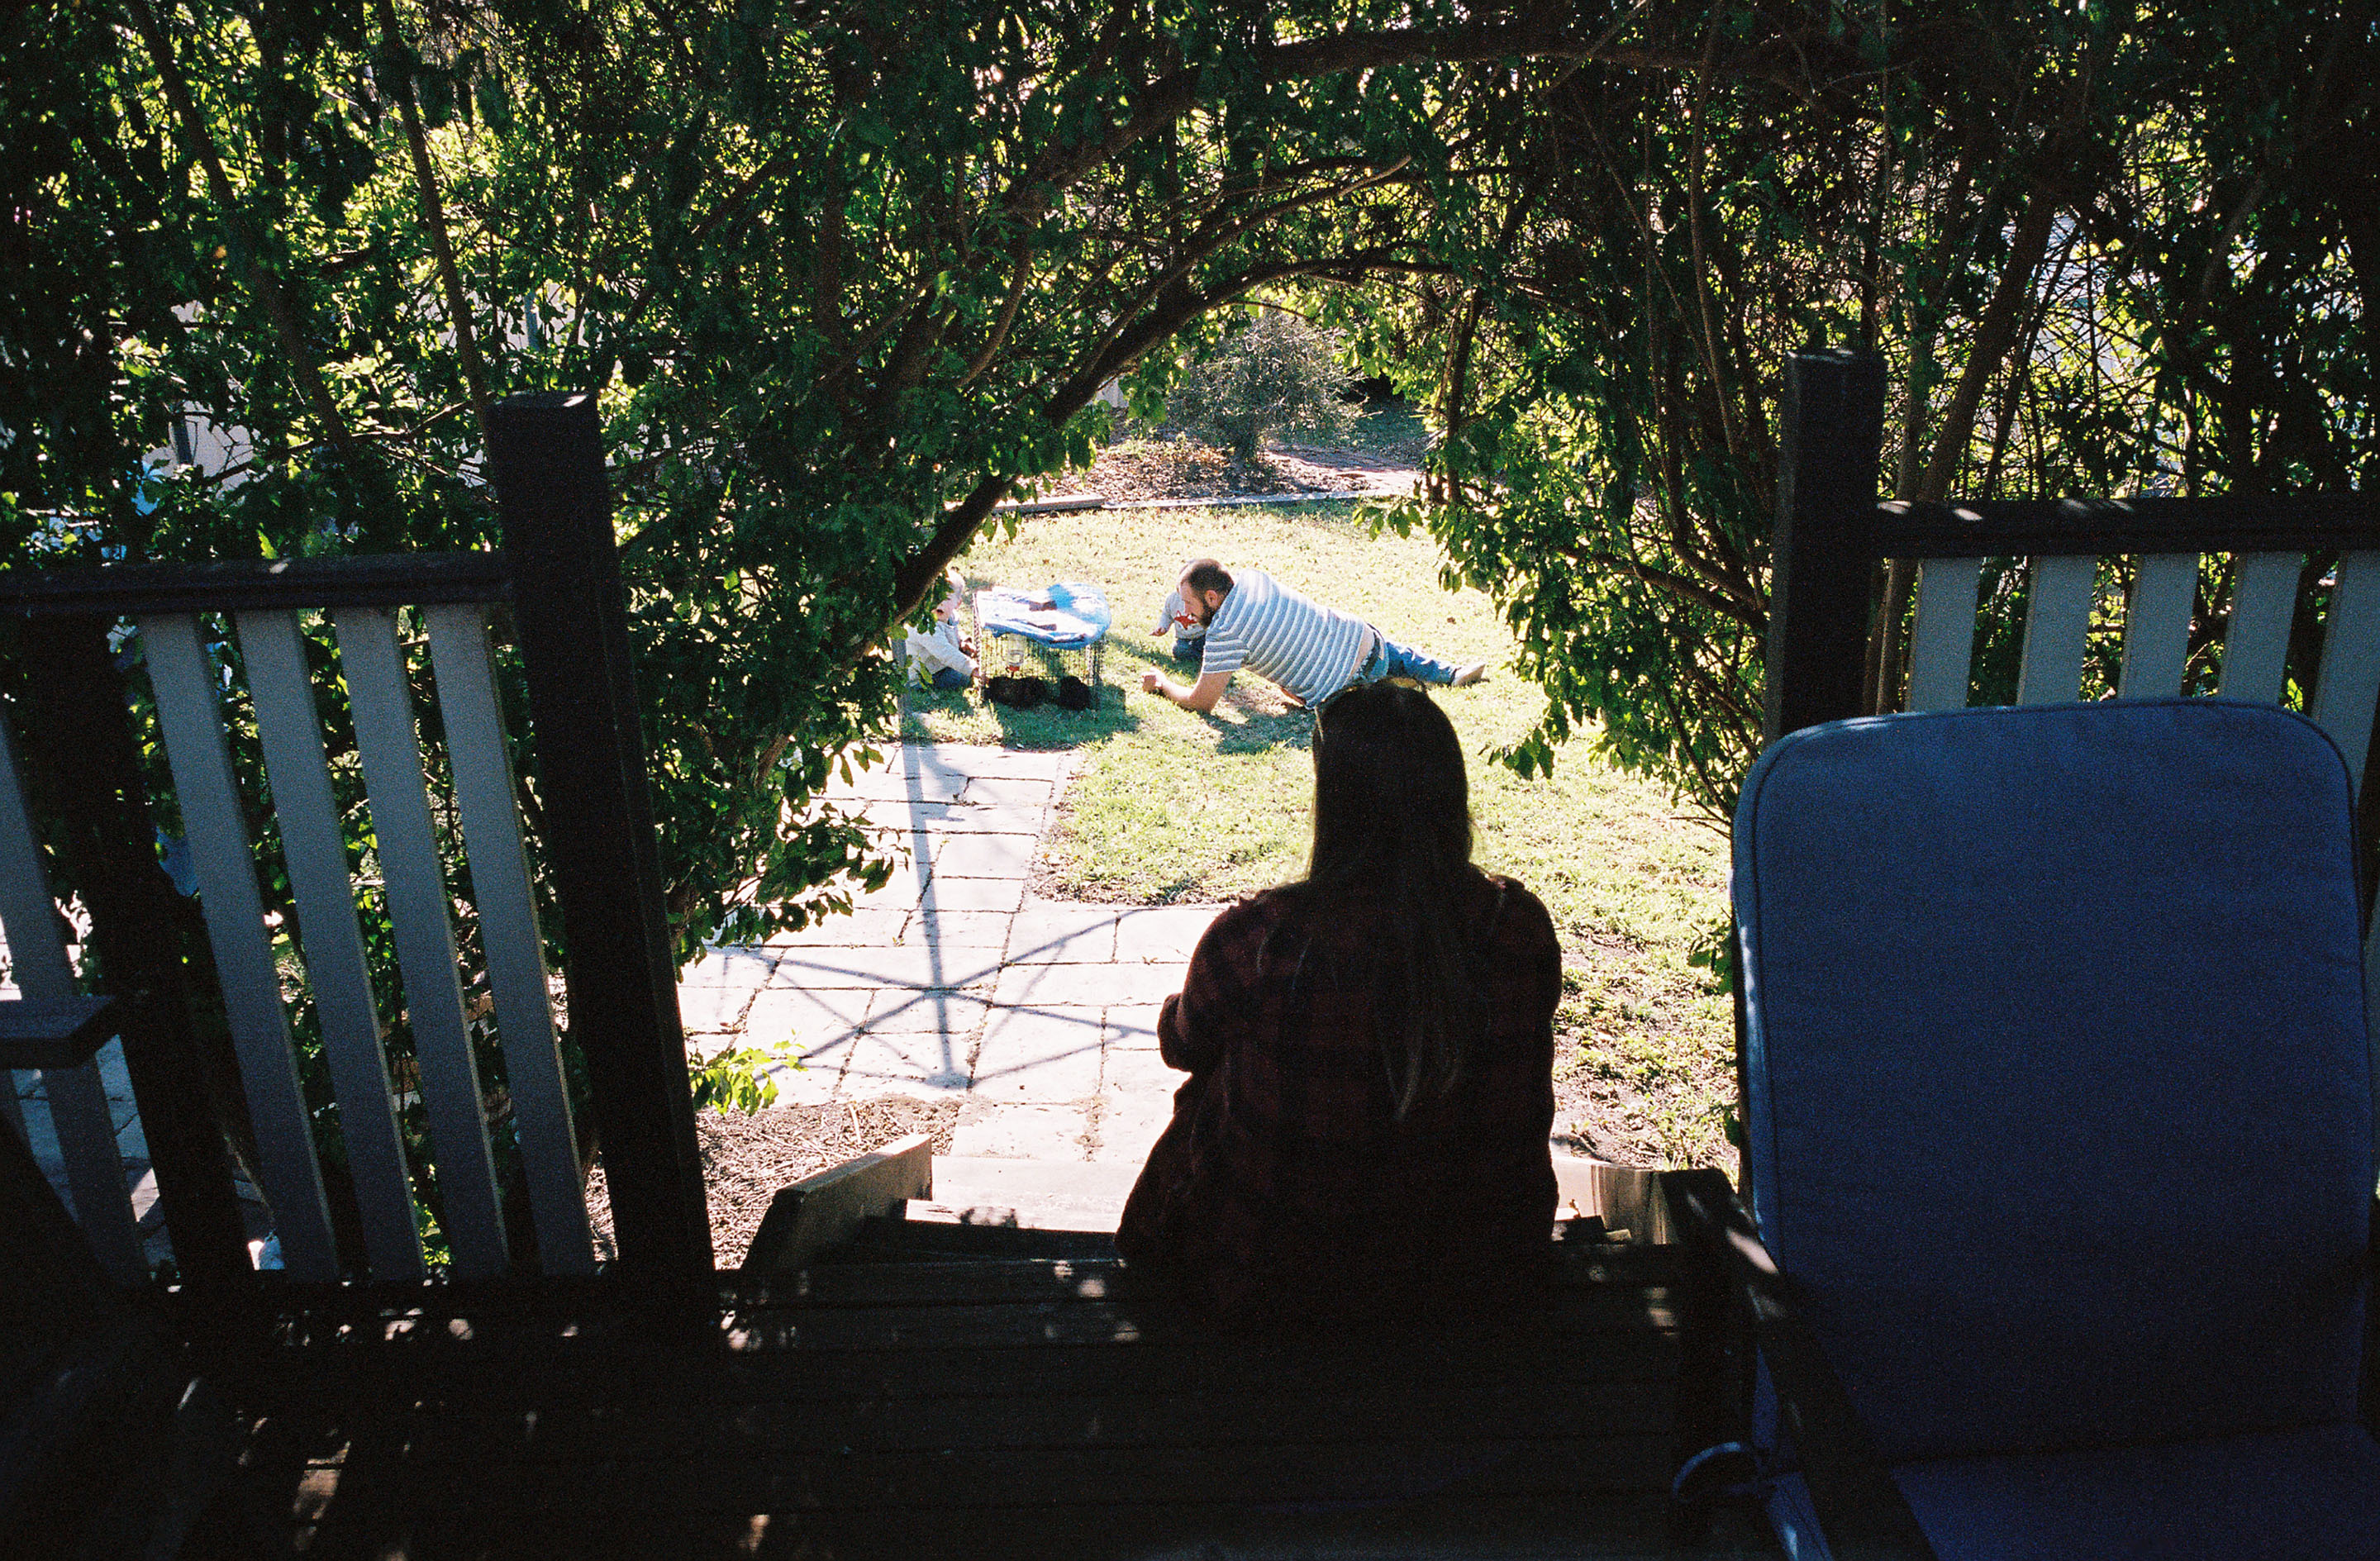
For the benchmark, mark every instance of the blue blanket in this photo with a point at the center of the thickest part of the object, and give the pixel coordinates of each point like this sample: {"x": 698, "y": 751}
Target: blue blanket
{"x": 1067, "y": 617}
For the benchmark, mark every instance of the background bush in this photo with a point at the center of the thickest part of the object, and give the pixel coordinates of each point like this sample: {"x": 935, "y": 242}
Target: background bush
{"x": 1278, "y": 373}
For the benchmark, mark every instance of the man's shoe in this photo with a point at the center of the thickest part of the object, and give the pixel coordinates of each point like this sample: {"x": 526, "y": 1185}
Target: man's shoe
{"x": 1465, "y": 676}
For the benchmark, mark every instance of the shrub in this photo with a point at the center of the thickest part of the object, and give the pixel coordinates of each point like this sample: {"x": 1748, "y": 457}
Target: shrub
{"x": 1279, "y": 372}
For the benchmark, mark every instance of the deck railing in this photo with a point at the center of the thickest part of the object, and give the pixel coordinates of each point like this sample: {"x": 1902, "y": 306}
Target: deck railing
{"x": 2306, "y": 572}
{"x": 1832, "y": 533}
{"x": 224, "y": 637}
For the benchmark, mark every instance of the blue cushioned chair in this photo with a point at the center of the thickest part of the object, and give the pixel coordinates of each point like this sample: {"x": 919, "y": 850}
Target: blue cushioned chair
{"x": 2060, "y": 1115}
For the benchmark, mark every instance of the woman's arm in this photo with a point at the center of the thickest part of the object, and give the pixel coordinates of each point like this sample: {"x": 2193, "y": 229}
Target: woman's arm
{"x": 1218, "y": 994}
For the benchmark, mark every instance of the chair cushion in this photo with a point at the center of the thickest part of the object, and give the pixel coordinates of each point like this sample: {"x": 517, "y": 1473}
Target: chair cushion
{"x": 2285, "y": 1495}
{"x": 2059, "y": 1095}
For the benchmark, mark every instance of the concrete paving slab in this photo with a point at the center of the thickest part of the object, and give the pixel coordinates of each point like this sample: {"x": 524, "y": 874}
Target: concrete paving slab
{"x": 866, "y": 926}
{"x": 1132, "y": 1027}
{"x": 734, "y": 965}
{"x": 923, "y": 1065}
{"x": 1163, "y": 934}
{"x": 813, "y": 1084}
{"x": 968, "y": 815}
{"x": 901, "y": 964}
{"x": 1020, "y": 1132}
{"x": 982, "y": 762}
{"x": 985, "y": 930}
{"x": 1044, "y": 934}
{"x": 913, "y": 770}
{"x": 1038, "y": 1055}
{"x": 902, "y": 1011}
{"x": 911, "y": 849}
{"x": 984, "y": 856}
{"x": 714, "y": 1009}
{"x": 900, "y": 892}
{"x": 902, "y": 813}
{"x": 1129, "y": 1127}
{"x": 811, "y": 1021}
{"x": 1030, "y": 796}
{"x": 1142, "y": 1073}
{"x": 973, "y": 894}
{"x": 879, "y": 785}
{"x": 1045, "y": 1196}
{"x": 1075, "y": 985}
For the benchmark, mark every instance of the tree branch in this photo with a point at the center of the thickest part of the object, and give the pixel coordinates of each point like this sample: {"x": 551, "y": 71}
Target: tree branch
{"x": 260, "y": 280}
{"x": 433, "y": 213}
{"x": 1995, "y": 334}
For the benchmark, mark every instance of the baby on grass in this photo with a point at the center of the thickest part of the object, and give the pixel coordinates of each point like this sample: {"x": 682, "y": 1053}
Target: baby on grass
{"x": 1189, "y": 634}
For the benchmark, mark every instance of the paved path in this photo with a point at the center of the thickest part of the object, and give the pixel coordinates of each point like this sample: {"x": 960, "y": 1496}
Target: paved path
{"x": 955, "y": 980}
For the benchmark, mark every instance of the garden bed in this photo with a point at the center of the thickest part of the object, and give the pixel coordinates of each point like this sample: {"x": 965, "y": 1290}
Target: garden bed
{"x": 746, "y": 1160}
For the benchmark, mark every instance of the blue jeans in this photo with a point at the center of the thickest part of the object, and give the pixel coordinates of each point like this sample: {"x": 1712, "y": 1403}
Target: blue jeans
{"x": 1390, "y": 659}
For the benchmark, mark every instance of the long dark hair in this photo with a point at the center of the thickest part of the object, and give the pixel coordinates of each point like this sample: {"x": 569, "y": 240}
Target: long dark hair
{"x": 1393, "y": 831}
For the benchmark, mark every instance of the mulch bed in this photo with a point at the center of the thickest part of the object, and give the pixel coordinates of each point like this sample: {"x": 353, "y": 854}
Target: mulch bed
{"x": 747, "y": 1160}
{"x": 1186, "y": 469}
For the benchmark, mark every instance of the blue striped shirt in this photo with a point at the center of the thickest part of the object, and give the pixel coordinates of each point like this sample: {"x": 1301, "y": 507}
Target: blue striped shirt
{"x": 1263, "y": 626}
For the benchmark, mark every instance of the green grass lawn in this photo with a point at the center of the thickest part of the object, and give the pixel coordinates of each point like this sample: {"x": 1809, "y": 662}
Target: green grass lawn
{"x": 1165, "y": 805}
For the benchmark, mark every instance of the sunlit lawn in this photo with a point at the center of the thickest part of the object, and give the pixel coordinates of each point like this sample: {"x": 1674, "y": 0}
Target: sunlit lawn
{"x": 1166, "y": 806}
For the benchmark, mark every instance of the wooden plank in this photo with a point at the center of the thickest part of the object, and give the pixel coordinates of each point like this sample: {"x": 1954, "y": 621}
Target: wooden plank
{"x": 819, "y": 1211}
{"x": 2348, "y": 680}
{"x": 2104, "y": 527}
{"x": 37, "y": 953}
{"x": 1349, "y": 1472}
{"x": 934, "y": 1240}
{"x": 54, "y": 1035}
{"x": 546, "y": 455}
{"x": 85, "y": 1124}
{"x": 1833, "y": 422}
{"x": 1033, "y": 1326}
{"x": 2257, "y": 645}
{"x": 80, "y": 733}
{"x": 183, "y": 681}
{"x": 415, "y": 888}
{"x": 2056, "y": 623}
{"x": 314, "y": 847}
{"x": 363, "y": 1518}
{"x": 1520, "y": 1404}
{"x": 1625, "y": 1198}
{"x": 285, "y": 584}
{"x": 626, "y": 1370}
{"x": 2156, "y": 625}
{"x": 968, "y": 1281}
{"x": 79, "y": 1111}
{"x": 482, "y": 763}
{"x": 1942, "y": 647}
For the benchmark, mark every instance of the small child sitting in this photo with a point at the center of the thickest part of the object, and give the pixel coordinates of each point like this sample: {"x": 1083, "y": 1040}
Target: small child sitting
{"x": 944, "y": 653}
{"x": 1189, "y": 634}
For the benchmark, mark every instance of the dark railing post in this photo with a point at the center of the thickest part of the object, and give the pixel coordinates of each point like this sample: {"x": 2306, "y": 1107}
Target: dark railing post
{"x": 85, "y": 763}
{"x": 1820, "y": 560}
{"x": 546, "y": 455}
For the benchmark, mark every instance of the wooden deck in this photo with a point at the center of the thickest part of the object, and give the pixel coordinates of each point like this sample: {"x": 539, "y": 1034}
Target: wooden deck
{"x": 957, "y": 1391}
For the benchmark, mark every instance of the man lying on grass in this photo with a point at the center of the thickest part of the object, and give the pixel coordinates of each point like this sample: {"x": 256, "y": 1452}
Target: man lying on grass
{"x": 1313, "y": 651}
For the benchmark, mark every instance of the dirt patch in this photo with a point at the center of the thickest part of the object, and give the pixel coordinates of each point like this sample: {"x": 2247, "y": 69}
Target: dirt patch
{"x": 747, "y": 1160}
{"x": 1182, "y": 467}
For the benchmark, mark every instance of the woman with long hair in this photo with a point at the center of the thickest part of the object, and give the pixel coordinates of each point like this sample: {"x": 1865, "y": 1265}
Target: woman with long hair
{"x": 1370, "y": 1052}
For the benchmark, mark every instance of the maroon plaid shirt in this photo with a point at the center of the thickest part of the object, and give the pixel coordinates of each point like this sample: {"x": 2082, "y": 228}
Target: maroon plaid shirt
{"x": 1285, "y": 1186}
